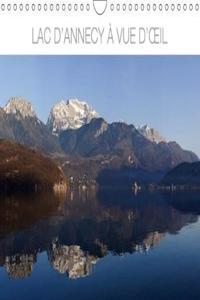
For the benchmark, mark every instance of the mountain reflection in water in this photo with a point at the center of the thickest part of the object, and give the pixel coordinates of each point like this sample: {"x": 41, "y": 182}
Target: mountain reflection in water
{"x": 76, "y": 232}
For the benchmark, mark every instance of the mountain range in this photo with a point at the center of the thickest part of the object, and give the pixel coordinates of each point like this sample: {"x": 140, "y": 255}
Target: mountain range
{"x": 150, "y": 133}
{"x": 70, "y": 114}
{"x": 19, "y": 123}
{"x": 98, "y": 138}
{"x": 75, "y": 130}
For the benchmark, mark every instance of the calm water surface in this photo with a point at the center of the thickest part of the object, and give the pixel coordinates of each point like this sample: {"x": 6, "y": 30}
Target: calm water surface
{"x": 112, "y": 245}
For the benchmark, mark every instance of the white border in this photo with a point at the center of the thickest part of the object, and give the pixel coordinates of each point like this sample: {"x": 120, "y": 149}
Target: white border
{"x": 180, "y": 20}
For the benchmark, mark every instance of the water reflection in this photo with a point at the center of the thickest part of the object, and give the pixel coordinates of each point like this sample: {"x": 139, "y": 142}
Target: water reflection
{"x": 77, "y": 231}
{"x": 71, "y": 260}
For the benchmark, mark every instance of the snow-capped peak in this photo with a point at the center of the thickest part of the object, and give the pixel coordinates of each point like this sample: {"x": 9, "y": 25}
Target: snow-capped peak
{"x": 150, "y": 133}
{"x": 72, "y": 114}
{"x": 19, "y": 106}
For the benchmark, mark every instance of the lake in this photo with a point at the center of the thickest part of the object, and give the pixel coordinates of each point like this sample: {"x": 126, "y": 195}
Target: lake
{"x": 100, "y": 245}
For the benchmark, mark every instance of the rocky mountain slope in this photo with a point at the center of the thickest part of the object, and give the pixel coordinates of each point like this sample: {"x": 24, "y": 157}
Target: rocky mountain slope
{"x": 150, "y": 133}
{"x": 19, "y": 123}
{"x": 86, "y": 143}
{"x": 70, "y": 114}
{"x": 20, "y": 108}
{"x": 98, "y": 138}
{"x": 25, "y": 169}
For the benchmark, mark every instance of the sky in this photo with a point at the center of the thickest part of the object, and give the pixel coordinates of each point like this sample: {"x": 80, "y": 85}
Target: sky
{"x": 161, "y": 91}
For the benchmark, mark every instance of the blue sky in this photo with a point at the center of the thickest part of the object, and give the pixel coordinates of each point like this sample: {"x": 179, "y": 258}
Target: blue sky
{"x": 163, "y": 91}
